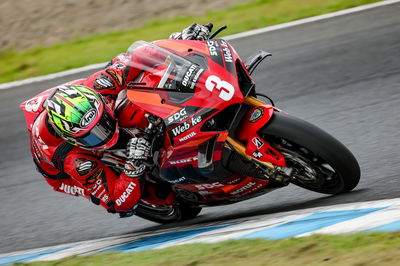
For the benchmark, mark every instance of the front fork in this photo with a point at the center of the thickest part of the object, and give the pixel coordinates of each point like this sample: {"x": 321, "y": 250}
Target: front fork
{"x": 257, "y": 149}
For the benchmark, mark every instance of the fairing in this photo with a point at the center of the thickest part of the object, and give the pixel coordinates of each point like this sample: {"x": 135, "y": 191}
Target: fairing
{"x": 173, "y": 80}
{"x": 193, "y": 85}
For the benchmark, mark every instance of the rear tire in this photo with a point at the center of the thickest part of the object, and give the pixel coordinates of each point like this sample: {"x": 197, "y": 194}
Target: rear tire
{"x": 323, "y": 164}
{"x": 163, "y": 215}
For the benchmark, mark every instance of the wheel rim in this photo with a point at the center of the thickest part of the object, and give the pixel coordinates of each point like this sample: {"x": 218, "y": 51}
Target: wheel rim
{"x": 309, "y": 169}
{"x": 158, "y": 211}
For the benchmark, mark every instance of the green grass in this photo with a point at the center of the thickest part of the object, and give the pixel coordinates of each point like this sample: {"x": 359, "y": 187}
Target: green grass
{"x": 353, "y": 249}
{"x": 102, "y": 47}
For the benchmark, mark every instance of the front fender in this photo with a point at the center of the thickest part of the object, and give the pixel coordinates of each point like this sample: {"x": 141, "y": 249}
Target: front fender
{"x": 257, "y": 147}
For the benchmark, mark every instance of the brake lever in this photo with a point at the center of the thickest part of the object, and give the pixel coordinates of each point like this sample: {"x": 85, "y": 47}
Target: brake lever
{"x": 217, "y": 32}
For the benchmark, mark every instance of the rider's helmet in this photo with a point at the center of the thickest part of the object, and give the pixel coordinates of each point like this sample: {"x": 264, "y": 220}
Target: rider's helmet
{"x": 80, "y": 116}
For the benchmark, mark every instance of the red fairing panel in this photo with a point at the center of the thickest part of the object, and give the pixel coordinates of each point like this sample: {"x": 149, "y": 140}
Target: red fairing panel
{"x": 234, "y": 187}
{"x": 213, "y": 87}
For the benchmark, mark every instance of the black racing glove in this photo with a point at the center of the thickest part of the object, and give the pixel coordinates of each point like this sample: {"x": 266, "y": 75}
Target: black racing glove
{"x": 137, "y": 150}
{"x": 193, "y": 32}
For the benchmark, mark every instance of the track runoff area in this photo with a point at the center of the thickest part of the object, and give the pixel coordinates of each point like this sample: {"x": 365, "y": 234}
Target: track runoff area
{"x": 381, "y": 215}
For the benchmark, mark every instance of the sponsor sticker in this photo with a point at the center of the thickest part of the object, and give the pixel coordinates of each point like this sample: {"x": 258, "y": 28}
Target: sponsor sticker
{"x": 88, "y": 118}
{"x": 135, "y": 172}
{"x": 258, "y": 142}
{"x": 84, "y": 166}
{"x": 257, "y": 154}
{"x": 178, "y": 116}
{"x": 192, "y": 76}
{"x": 188, "y": 136}
{"x": 103, "y": 82}
{"x": 208, "y": 186}
{"x": 256, "y": 115}
{"x": 176, "y": 129}
{"x": 181, "y": 115}
{"x": 185, "y": 126}
{"x": 215, "y": 53}
{"x": 226, "y": 52}
{"x": 179, "y": 180}
{"x": 33, "y": 104}
{"x": 188, "y": 74}
{"x": 243, "y": 189}
{"x": 196, "y": 78}
{"x": 227, "y": 55}
{"x": 98, "y": 186}
{"x": 126, "y": 194}
{"x": 72, "y": 190}
{"x": 187, "y": 160}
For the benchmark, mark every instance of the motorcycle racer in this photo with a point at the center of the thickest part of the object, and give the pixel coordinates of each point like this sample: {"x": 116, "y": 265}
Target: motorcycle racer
{"x": 71, "y": 125}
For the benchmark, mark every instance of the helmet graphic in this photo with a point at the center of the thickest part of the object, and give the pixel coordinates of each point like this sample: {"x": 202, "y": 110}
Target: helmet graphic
{"x": 80, "y": 116}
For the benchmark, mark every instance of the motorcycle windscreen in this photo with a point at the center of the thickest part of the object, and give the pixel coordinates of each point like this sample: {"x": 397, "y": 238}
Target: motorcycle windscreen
{"x": 172, "y": 77}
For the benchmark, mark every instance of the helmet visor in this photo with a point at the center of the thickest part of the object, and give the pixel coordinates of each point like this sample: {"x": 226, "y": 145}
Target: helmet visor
{"x": 100, "y": 134}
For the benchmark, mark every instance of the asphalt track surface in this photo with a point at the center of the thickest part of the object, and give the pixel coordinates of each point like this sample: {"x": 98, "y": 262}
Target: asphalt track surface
{"x": 342, "y": 74}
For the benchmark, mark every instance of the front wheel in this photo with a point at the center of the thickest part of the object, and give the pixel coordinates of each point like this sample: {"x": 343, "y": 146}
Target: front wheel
{"x": 318, "y": 161}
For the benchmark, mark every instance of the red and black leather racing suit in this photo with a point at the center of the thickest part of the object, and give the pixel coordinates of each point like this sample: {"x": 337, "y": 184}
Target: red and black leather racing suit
{"x": 80, "y": 172}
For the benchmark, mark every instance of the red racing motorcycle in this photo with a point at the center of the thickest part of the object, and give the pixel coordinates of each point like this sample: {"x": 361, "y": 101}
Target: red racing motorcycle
{"x": 214, "y": 141}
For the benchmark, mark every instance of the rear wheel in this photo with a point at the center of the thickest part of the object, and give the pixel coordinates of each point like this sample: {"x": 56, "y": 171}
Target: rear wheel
{"x": 167, "y": 214}
{"x": 319, "y": 162}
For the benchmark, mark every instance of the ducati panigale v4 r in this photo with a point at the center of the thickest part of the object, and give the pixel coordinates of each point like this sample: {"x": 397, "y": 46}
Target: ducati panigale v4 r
{"x": 214, "y": 142}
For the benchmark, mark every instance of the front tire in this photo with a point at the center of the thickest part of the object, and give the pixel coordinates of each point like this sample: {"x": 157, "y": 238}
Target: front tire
{"x": 320, "y": 162}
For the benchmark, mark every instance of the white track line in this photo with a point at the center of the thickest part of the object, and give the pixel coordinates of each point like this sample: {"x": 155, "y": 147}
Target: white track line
{"x": 17, "y": 83}
{"x": 9, "y": 85}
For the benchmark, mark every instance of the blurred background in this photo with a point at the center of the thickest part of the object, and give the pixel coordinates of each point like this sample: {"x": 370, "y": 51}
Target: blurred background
{"x": 28, "y": 24}
{"x": 341, "y": 74}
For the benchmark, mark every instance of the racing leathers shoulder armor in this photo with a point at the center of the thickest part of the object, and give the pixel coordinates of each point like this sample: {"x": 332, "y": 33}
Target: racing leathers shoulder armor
{"x": 80, "y": 172}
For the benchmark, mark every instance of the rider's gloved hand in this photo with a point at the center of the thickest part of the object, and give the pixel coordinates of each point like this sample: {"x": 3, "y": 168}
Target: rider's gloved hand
{"x": 193, "y": 32}
{"x": 137, "y": 150}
